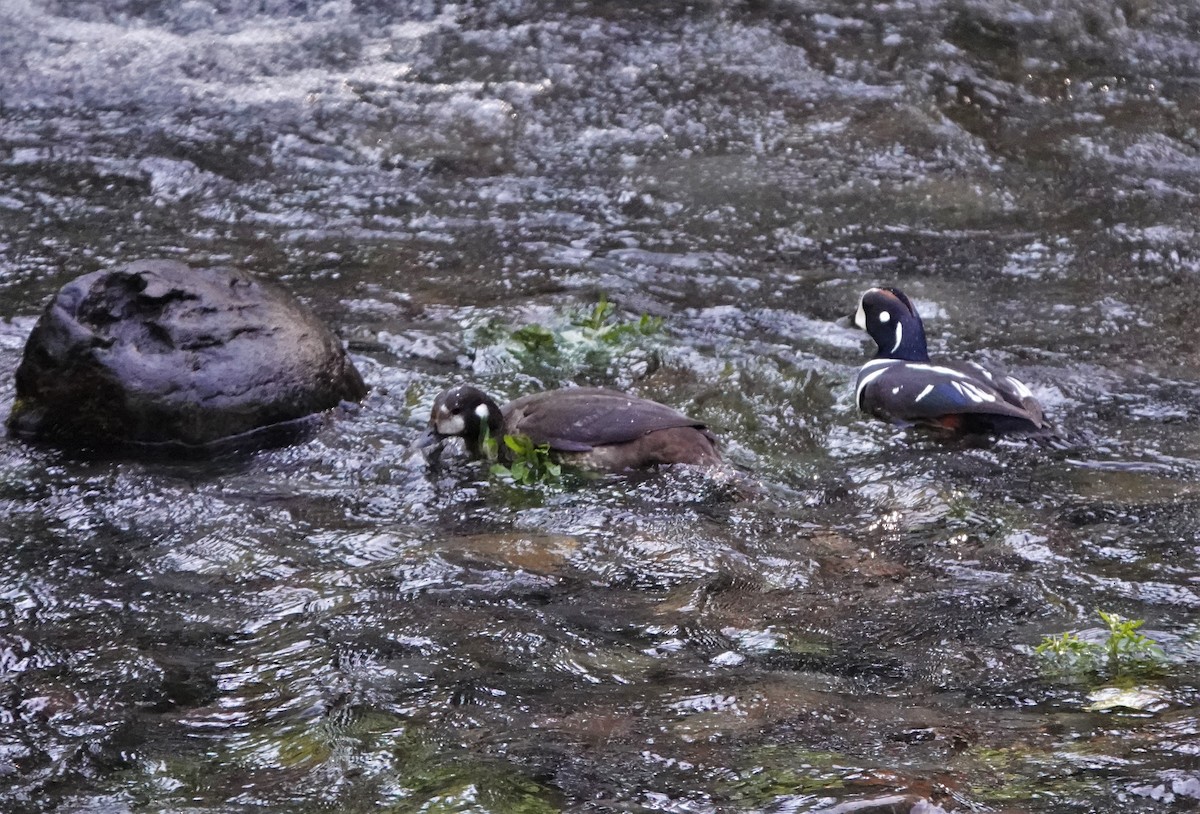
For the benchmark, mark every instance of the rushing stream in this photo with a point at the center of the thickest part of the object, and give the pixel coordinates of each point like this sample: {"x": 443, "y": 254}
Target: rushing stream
{"x": 849, "y": 626}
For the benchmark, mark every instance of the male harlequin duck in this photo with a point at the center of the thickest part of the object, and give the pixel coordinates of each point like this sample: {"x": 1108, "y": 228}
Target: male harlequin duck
{"x": 585, "y": 426}
{"x": 901, "y": 385}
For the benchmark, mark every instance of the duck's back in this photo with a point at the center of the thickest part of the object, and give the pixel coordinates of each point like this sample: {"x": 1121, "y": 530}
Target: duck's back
{"x": 962, "y": 396}
{"x": 604, "y": 429}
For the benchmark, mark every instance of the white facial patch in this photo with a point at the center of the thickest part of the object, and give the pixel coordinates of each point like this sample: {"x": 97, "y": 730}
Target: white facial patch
{"x": 447, "y": 424}
{"x": 885, "y": 316}
{"x": 860, "y": 317}
{"x": 899, "y": 335}
{"x": 482, "y": 411}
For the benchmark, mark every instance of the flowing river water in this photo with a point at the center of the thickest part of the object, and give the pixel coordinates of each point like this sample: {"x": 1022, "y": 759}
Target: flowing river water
{"x": 454, "y": 188}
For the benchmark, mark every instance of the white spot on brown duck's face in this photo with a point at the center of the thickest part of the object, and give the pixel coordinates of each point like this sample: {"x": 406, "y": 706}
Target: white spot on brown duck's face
{"x": 449, "y": 424}
{"x": 885, "y": 316}
{"x": 445, "y": 420}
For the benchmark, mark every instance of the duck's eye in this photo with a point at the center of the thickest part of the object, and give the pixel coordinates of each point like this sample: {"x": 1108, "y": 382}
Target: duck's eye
{"x": 456, "y": 411}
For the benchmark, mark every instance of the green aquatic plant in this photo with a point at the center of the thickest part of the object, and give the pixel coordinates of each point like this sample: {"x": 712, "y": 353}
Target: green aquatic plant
{"x": 535, "y": 339}
{"x": 645, "y": 325}
{"x": 591, "y": 339}
{"x": 396, "y": 767}
{"x": 592, "y": 344}
{"x": 598, "y": 316}
{"x": 600, "y": 323}
{"x": 520, "y": 462}
{"x": 527, "y": 463}
{"x": 1068, "y": 653}
{"x": 1017, "y": 775}
{"x": 1124, "y": 651}
{"x": 430, "y": 778}
{"x": 488, "y": 445}
{"x": 777, "y": 772}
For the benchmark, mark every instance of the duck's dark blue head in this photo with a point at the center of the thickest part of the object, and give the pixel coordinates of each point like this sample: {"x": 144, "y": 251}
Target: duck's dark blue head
{"x": 892, "y": 321}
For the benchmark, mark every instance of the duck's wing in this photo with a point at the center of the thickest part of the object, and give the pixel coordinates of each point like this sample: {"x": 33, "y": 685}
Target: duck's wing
{"x": 575, "y": 419}
{"x": 1014, "y": 391}
{"x": 918, "y": 393}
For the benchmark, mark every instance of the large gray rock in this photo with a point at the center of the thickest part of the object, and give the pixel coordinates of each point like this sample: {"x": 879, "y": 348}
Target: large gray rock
{"x": 159, "y": 353}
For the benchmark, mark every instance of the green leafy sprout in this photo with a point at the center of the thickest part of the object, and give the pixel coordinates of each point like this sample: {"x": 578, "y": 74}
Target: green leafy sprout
{"x": 529, "y": 463}
{"x": 521, "y": 461}
{"x": 1126, "y": 646}
{"x": 599, "y": 323}
{"x": 1124, "y": 650}
{"x": 591, "y": 343}
{"x": 535, "y": 338}
{"x": 597, "y": 326}
{"x": 599, "y": 315}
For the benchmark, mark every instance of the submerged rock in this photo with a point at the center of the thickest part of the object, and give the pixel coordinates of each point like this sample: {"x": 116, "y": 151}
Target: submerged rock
{"x": 157, "y": 353}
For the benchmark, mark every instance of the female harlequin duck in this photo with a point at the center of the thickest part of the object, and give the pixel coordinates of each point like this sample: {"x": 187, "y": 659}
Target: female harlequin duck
{"x": 901, "y": 385}
{"x": 584, "y": 426}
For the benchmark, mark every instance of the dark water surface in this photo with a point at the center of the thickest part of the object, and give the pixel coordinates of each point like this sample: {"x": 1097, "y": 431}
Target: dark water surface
{"x": 334, "y": 627}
